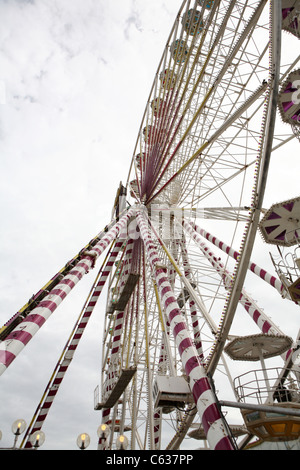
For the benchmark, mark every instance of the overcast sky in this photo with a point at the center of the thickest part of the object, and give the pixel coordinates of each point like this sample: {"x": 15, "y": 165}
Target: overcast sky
{"x": 75, "y": 76}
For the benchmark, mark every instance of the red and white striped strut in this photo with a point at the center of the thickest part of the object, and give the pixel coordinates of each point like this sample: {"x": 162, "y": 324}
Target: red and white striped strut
{"x": 259, "y": 317}
{"x": 193, "y": 309}
{"x": 256, "y": 313}
{"x": 212, "y": 421}
{"x": 23, "y": 333}
{"x": 70, "y": 348}
{"x": 269, "y": 278}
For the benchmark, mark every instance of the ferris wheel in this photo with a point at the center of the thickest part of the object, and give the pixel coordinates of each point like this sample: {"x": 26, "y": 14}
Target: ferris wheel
{"x": 182, "y": 335}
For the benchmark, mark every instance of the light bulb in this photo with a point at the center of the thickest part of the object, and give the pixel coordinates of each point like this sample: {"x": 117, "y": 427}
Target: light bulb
{"x": 37, "y": 439}
{"x": 83, "y": 441}
{"x": 122, "y": 442}
{"x": 18, "y": 427}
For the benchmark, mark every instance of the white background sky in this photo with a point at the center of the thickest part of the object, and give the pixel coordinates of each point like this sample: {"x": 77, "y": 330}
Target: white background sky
{"x": 75, "y": 76}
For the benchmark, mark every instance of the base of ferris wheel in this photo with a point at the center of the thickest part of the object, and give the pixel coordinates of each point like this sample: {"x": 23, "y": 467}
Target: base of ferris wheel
{"x": 268, "y": 398}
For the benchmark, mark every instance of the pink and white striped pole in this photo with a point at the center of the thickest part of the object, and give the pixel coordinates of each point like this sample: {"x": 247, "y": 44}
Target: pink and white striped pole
{"x": 70, "y": 348}
{"x": 256, "y": 313}
{"x": 211, "y": 418}
{"x": 193, "y": 309}
{"x": 23, "y": 333}
{"x": 259, "y": 317}
{"x": 269, "y": 278}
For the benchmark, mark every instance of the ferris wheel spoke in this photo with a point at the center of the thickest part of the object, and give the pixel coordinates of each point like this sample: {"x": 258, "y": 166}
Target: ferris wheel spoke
{"x": 193, "y": 92}
{"x": 181, "y": 335}
{"x": 204, "y": 153}
{"x": 209, "y": 95}
{"x": 260, "y": 272}
{"x": 254, "y": 311}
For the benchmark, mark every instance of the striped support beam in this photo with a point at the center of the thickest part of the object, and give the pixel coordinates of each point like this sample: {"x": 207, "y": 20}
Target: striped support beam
{"x": 70, "y": 348}
{"x": 23, "y": 333}
{"x": 269, "y": 278}
{"x": 193, "y": 309}
{"x": 256, "y": 313}
{"x": 212, "y": 420}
